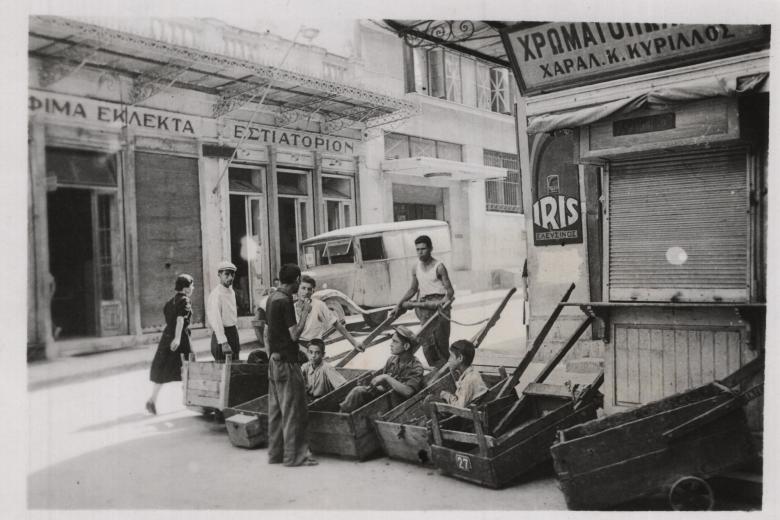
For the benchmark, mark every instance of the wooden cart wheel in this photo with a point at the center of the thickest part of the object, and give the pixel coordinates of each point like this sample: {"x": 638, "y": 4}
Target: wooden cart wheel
{"x": 691, "y": 494}
{"x": 335, "y": 308}
{"x": 374, "y": 319}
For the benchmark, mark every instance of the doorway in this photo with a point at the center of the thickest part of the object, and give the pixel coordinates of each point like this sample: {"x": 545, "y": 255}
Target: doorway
{"x": 293, "y": 227}
{"x": 71, "y": 259}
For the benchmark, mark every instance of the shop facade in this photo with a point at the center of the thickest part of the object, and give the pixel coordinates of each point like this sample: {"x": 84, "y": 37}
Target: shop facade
{"x": 137, "y": 177}
{"x": 648, "y": 187}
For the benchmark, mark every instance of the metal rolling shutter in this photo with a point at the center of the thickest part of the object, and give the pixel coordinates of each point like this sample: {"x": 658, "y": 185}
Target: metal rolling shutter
{"x": 696, "y": 202}
{"x": 169, "y": 233}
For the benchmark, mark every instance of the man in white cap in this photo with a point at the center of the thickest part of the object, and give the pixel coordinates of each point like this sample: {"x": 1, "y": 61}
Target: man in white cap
{"x": 222, "y": 314}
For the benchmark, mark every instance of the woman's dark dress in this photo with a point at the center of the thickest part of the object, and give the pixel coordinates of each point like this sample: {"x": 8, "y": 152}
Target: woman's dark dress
{"x": 166, "y": 365}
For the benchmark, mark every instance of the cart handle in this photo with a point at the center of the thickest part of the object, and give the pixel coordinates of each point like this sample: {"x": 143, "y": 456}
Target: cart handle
{"x": 473, "y": 413}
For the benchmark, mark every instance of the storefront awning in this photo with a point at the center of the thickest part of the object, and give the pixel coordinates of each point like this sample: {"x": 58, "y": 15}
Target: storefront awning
{"x": 656, "y": 99}
{"x": 430, "y": 167}
{"x": 65, "y": 45}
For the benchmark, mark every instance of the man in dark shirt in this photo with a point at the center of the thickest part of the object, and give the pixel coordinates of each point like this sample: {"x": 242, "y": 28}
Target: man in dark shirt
{"x": 288, "y": 415}
{"x": 403, "y": 373}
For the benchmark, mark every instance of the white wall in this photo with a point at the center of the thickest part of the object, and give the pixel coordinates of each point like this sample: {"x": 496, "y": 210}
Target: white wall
{"x": 483, "y": 242}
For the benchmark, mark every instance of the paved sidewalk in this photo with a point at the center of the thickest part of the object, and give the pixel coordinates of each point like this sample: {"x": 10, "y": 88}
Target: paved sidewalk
{"x": 42, "y": 374}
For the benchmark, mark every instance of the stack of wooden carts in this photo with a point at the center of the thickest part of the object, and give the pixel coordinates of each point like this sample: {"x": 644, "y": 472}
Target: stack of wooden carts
{"x": 669, "y": 445}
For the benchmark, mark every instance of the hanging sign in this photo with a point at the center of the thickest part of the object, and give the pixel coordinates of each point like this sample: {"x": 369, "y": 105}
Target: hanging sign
{"x": 556, "y": 211}
{"x": 554, "y": 56}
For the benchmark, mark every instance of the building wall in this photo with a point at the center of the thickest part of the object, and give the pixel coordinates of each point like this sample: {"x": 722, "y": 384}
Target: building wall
{"x": 488, "y": 247}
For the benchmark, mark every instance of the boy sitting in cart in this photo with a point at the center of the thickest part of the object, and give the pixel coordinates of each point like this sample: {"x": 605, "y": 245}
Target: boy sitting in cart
{"x": 469, "y": 384}
{"x": 403, "y": 373}
{"x": 320, "y": 378}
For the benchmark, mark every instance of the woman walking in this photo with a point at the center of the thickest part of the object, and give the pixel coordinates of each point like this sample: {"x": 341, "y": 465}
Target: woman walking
{"x": 175, "y": 339}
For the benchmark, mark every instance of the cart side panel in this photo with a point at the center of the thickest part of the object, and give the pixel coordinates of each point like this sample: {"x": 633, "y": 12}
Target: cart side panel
{"x": 247, "y": 381}
{"x": 464, "y": 465}
{"x": 715, "y": 448}
{"x": 257, "y": 407}
{"x": 533, "y": 448}
{"x": 204, "y": 379}
{"x": 413, "y": 408}
{"x": 362, "y": 418}
{"x": 330, "y": 402}
{"x": 631, "y": 439}
{"x": 407, "y": 442}
{"x": 647, "y": 410}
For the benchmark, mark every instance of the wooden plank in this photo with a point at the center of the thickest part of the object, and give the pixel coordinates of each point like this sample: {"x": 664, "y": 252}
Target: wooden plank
{"x": 337, "y": 423}
{"x": 632, "y": 351}
{"x": 669, "y": 365}
{"x": 707, "y": 356}
{"x": 202, "y": 385}
{"x": 695, "y": 357}
{"x": 621, "y": 364}
{"x": 404, "y": 441}
{"x": 528, "y": 357}
{"x": 644, "y": 368}
{"x": 721, "y": 354}
{"x": 618, "y": 419}
{"x": 633, "y": 438}
{"x": 656, "y": 390}
{"x": 368, "y": 340}
{"x": 681, "y": 379}
{"x": 545, "y": 389}
{"x": 362, "y": 417}
{"x": 479, "y": 337}
{"x": 734, "y": 345}
{"x": 414, "y": 406}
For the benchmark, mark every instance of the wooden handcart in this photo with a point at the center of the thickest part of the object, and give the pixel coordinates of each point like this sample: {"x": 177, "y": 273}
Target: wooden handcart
{"x": 492, "y": 445}
{"x": 669, "y": 445}
{"x": 247, "y": 423}
{"x": 214, "y": 386}
{"x": 352, "y": 435}
{"x": 404, "y": 431}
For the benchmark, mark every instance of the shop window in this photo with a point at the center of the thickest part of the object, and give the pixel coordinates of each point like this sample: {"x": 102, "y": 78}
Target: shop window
{"x": 292, "y": 183}
{"x": 445, "y": 74}
{"x": 245, "y": 180}
{"x": 371, "y": 248}
{"x": 402, "y": 146}
{"x": 80, "y": 167}
{"x": 503, "y": 194}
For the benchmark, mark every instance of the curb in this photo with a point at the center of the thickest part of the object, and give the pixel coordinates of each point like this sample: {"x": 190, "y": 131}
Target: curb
{"x": 147, "y": 359}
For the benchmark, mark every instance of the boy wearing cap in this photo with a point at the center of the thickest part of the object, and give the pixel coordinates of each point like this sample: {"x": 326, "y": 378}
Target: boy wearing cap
{"x": 403, "y": 373}
{"x": 222, "y": 314}
{"x": 319, "y": 377}
{"x": 469, "y": 385}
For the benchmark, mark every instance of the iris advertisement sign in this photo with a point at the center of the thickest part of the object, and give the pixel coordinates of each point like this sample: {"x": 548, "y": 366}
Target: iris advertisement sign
{"x": 556, "y": 210}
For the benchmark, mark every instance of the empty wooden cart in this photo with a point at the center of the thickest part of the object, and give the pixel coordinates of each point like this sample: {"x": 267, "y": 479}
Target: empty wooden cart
{"x": 671, "y": 445}
{"x": 209, "y": 385}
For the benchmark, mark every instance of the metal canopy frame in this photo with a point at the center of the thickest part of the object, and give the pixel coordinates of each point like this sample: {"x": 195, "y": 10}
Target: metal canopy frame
{"x": 66, "y": 45}
{"x": 478, "y": 38}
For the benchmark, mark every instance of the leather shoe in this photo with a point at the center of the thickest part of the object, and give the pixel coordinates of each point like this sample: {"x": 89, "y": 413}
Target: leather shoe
{"x": 151, "y": 408}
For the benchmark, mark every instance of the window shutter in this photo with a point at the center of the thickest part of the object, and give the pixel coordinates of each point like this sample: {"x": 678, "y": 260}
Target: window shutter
{"x": 679, "y": 227}
{"x": 436, "y": 73}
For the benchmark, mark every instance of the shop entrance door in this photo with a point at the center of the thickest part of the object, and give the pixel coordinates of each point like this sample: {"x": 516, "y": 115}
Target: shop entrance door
{"x": 293, "y": 227}
{"x": 84, "y": 245}
{"x": 246, "y": 251}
